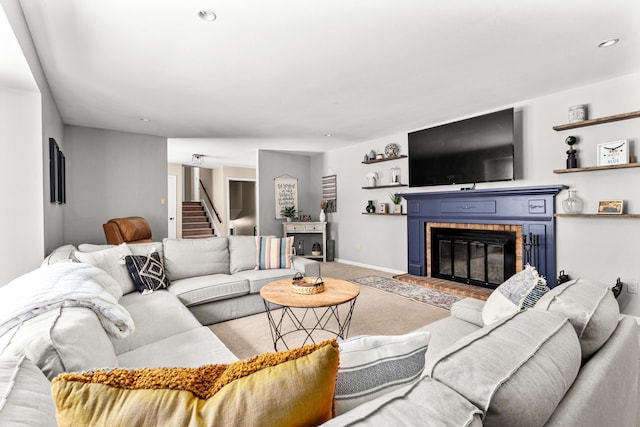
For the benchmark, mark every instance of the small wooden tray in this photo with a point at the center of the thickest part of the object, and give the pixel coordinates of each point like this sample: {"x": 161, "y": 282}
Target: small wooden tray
{"x": 307, "y": 286}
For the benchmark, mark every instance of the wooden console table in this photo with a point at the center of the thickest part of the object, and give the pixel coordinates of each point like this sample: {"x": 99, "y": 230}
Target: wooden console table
{"x": 308, "y": 228}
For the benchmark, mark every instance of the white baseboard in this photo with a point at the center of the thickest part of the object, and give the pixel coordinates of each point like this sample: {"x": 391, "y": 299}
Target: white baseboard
{"x": 374, "y": 267}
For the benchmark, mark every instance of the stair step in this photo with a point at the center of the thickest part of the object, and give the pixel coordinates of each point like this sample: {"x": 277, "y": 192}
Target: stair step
{"x": 199, "y": 236}
{"x": 197, "y": 232}
{"x": 193, "y": 213}
{"x": 192, "y": 219}
{"x": 192, "y": 208}
{"x": 192, "y": 225}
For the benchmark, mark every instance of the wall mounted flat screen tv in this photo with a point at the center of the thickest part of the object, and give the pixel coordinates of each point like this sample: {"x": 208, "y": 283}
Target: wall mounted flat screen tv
{"x": 478, "y": 149}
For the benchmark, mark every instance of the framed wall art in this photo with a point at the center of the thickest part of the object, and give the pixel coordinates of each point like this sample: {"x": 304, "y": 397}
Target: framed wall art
{"x": 611, "y": 207}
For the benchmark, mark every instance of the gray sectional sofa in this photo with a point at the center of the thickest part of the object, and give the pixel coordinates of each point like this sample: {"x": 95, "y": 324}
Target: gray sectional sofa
{"x": 569, "y": 361}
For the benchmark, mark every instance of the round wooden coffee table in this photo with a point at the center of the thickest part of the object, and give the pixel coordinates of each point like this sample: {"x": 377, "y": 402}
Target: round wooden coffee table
{"x": 307, "y": 314}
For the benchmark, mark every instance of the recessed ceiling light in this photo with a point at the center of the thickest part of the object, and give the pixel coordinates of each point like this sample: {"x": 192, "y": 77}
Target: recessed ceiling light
{"x": 145, "y": 119}
{"x": 206, "y": 15}
{"x": 328, "y": 135}
{"x": 607, "y": 43}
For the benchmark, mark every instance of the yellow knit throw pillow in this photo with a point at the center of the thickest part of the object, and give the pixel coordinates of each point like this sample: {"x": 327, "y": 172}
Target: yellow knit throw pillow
{"x": 292, "y": 388}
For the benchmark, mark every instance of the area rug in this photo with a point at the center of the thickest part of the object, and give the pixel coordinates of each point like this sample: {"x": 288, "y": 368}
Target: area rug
{"x": 409, "y": 290}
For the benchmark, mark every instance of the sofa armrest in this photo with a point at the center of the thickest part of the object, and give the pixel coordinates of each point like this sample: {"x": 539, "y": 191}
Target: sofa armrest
{"x": 469, "y": 310}
{"x": 308, "y": 267}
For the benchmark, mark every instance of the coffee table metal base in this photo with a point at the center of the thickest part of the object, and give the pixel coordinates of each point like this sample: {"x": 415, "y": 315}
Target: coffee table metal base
{"x": 318, "y": 317}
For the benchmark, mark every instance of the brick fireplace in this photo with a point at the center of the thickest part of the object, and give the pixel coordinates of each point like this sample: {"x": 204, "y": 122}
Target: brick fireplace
{"x": 527, "y": 213}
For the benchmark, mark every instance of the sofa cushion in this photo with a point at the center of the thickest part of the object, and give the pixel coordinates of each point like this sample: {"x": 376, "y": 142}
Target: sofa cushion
{"x": 242, "y": 253}
{"x": 61, "y": 340}
{"x": 195, "y": 257}
{"x": 519, "y": 292}
{"x": 157, "y": 316}
{"x": 427, "y": 403}
{"x": 203, "y": 289}
{"x": 147, "y": 272}
{"x": 373, "y": 365}
{"x": 469, "y": 310}
{"x": 293, "y": 388}
{"x": 25, "y": 395}
{"x": 188, "y": 349}
{"x": 515, "y": 370}
{"x": 112, "y": 261}
{"x": 273, "y": 252}
{"x": 258, "y": 278}
{"x": 590, "y": 307}
{"x": 62, "y": 254}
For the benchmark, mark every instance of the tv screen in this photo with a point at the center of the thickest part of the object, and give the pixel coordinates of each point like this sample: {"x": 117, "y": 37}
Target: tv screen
{"x": 478, "y": 149}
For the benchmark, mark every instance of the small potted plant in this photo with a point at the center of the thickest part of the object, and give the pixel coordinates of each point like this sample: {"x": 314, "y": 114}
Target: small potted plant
{"x": 288, "y": 212}
{"x": 396, "y": 199}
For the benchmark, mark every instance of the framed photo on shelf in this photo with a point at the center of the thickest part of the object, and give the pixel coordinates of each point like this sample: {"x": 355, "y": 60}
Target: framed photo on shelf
{"x": 611, "y": 207}
{"x": 613, "y": 153}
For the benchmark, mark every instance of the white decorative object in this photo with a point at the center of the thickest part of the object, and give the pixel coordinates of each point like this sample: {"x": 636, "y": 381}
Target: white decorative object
{"x": 323, "y": 216}
{"x": 577, "y": 113}
{"x": 372, "y": 178}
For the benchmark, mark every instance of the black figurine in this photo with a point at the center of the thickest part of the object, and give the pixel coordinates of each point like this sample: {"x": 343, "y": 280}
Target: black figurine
{"x": 617, "y": 288}
{"x": 572, "y": 161}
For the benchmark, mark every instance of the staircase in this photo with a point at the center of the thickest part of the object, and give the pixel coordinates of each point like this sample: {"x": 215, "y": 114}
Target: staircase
{"x": 195, "y": 224}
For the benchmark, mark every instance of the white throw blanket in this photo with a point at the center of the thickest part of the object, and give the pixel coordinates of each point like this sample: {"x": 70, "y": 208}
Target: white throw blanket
{"x": 65, "y": 284}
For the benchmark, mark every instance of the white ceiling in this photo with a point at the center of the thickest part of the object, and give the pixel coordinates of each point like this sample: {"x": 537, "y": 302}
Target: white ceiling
{"x": 281, "y": 74}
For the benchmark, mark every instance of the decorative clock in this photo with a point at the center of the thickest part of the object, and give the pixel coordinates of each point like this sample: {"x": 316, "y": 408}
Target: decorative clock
{"x": 613, "y": 153}
{"x": 392, "y": 150}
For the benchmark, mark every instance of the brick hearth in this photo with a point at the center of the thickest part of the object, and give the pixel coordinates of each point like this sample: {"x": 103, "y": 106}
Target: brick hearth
{"x": 477, "y": 292}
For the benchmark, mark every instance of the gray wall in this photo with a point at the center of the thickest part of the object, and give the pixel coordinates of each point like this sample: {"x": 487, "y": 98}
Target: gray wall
{"x": 274, "y": 164}
{"x": 113, "y": 174}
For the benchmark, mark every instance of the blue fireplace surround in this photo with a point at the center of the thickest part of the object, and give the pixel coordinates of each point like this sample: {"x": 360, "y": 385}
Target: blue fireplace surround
{"x": 533, "y": 208}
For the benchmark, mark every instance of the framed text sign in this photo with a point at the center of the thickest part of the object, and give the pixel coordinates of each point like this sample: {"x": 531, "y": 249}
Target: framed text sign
{"x": 286, "y": 189}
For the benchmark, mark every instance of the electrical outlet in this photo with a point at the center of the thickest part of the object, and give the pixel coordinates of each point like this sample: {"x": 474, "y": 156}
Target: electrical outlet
{"x": 632, "y": 287}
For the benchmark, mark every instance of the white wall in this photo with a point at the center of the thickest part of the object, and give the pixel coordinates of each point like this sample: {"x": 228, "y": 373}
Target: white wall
{"x": 49, "y": 123}
{"x": 21, "y": 191}
{"x": 601, "y": 249}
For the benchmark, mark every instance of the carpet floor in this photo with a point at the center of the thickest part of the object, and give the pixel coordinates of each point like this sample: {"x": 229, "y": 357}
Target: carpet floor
{"x": 377, "y": 312}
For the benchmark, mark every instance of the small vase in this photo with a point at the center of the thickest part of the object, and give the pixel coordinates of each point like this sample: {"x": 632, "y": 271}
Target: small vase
{"x": 572, "y": 204}
{"x": 323, "y": 216}
{"x": 288, "y": 219}
{"x": 372, "y": 181}
{"x": 370, "y": 207}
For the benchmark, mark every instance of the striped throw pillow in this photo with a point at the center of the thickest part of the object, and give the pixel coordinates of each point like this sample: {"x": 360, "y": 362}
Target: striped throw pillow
{"x": 371, "y": 366}
{"x": 273, "y": 252}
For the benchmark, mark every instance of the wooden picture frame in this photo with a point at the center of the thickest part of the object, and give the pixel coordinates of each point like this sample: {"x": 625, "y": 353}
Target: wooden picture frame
{"x": 611, "y": 207}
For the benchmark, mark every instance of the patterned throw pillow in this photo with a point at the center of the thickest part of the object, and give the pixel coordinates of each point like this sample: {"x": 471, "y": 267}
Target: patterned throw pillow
{"x": 374, "y": 365}
{"x": 147, "y": 272}
{"x": 289, "y": 388}
{"x": 520, "y": 292}
{"x": 273, "y": 252}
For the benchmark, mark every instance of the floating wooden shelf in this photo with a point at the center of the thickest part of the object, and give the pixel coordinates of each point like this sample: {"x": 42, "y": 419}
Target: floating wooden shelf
{"x": 385, "y": 159}
{"x": 599, "y": 168}
{"x": 387, "y": 214}
{"x": 598, "y": 215}
{"x": 384, "y": 186}
{"x": 598, "y": 121}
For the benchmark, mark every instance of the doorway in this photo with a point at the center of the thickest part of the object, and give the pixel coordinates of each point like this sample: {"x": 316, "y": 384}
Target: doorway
{"x": 242, "y": 206}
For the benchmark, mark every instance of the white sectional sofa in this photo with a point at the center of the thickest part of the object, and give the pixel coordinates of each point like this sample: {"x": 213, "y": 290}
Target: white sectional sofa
{"x": 569, "y": 361}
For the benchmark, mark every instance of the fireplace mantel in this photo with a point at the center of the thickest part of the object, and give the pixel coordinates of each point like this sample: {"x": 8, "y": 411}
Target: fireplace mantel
{"x": 532, "y": 208}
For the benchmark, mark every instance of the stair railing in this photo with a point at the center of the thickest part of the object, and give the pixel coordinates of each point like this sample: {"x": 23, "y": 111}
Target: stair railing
{"x": 215, "y": 211}
{"x": 207, "y": 212}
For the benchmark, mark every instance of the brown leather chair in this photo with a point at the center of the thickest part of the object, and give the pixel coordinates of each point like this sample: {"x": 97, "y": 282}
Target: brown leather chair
{"x": 133, "y": 229}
